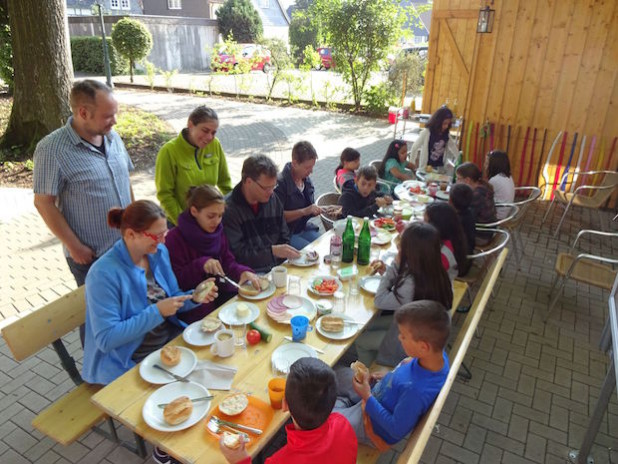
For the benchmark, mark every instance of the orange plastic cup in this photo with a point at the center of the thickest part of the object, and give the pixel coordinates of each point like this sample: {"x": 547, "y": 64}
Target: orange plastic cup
{"x": 276, "y": 391}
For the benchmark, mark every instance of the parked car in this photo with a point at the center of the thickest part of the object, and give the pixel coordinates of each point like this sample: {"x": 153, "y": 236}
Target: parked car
{"x": 256, "y": 54}
{"x": 326, "y": 55}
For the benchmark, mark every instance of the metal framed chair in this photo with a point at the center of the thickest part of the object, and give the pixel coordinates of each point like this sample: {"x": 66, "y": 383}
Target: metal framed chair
{"x": 335, "y": 185}
{"x": 527, "y": 195}
{"x": 584, "y": 267}
{"x": 383, "y": 186}
{"x": 600, "y": 194}
{"x": 483, "y": 258}
{"x": 328, "y": 199}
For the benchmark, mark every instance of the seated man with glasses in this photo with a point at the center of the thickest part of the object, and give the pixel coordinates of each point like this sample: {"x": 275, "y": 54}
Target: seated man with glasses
{"x": 253, "y": 221}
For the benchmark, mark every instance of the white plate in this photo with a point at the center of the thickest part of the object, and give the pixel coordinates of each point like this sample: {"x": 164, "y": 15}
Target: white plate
{"x": 194, "y": 335}
{"x": 382, "y": 238}
{"x": 260, "y": 296}
{"x": 153, "y": 414}
{"x": 315, "y": 292}
{"x": 285, "y": 355}
{"x": 414, "y": 183}
{"x": 442, "y": 195}
{"x": 348, "y": 329}
{"x": 187, "y": 363}
{"x": 228, "y": 315}
{"x": 306, "y": 308}
{"x": 302, "y": 261}
{"x": 370, "y": 283}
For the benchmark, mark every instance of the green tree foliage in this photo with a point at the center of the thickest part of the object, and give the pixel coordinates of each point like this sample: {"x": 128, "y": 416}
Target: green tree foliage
{"x": 281, "y": 62}
{"x": 132, "y": 40}
{"x": 408, "y": 66}
{"x": 361, "y": 32}
{"x": 87, "y": 56}
{"x": 302, "y": 33}
{"x": 240, "y": 19}
{"x": 6, "y": 51}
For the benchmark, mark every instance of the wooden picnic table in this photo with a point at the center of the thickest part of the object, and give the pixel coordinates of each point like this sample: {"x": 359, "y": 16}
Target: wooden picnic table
{"x": 124, "y": 398}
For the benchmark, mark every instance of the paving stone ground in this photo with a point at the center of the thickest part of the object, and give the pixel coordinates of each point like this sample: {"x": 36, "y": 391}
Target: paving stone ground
{"x": 534, "y": 385}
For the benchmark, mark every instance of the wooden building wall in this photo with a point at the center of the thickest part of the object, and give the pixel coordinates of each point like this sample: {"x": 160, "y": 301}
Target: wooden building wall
{"x": 548, "y": 67}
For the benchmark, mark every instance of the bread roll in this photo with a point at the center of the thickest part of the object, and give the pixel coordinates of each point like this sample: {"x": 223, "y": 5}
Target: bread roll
{"x": 202, "y": 290}
{"x": 248, "y": 289}
{"x": 231, "y": 440}
{"x": 360, "y": 371}
{"x": 332, "y": 324}
{"x": 178, "y": 410}
{"x": 210, "y": 324}
{"x": 312, "y": 256}
{"x": 264, "y": 283}
{"x": 170, "y": 355}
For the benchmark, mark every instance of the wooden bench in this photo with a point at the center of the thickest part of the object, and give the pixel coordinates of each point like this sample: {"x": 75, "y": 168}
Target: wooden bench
{"x": 73, "y": 414}
{"x": 419, "y": 437}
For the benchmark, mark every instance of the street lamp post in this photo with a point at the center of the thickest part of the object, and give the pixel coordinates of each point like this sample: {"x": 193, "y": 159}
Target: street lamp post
{"x": 108, "y": 68}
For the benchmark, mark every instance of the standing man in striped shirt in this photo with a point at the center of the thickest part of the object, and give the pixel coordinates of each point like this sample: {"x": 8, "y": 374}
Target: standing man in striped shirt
{"x": 81, "y": 171}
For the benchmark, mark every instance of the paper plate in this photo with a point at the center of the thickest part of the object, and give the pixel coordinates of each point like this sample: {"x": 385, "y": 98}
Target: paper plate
{"x": 153, "y": 414}
{"x": 194, "y": 335}
{"x": 349, "y": 330}
{"x": 370, "y": 283}
{"x": 260, "y": 296}
{"x": 187, "y": 363}
{"x": 382, "y": 238}
{"x": 228, "y": 315}
{"x": 285, "y": 355}
{"x": 442, "y": 195}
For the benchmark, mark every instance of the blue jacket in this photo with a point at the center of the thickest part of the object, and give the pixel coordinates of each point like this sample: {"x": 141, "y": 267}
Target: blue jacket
{"x": 118, "y": 313}
{"x": 400, "y": 399}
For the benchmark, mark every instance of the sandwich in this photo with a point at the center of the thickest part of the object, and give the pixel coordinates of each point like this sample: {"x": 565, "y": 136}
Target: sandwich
{"x": 312, "y": 256}
{"x": 332, "y": 324}
{"x": 170, "y": 356}
{"x": 178, "y": 410}
{"x": 231, "y": 440}
{"x": 247, "y": 289}
{"x": 210, "y": 324}
{"x": 202, "y": 290}
{"x": 360, "y": 371}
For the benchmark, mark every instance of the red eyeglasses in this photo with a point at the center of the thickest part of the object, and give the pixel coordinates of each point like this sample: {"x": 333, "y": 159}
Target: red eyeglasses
{"x": 156, "y": 237}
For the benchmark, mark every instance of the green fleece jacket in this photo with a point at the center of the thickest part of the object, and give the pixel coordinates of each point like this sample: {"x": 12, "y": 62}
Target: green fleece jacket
{"x": 180, "y": 166}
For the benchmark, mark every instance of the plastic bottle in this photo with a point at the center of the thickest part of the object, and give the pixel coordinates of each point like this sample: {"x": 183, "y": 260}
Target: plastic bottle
{"x": 347, "y": 256}
{"x": 336, "y": 245}
{"x": 364, "y": 244}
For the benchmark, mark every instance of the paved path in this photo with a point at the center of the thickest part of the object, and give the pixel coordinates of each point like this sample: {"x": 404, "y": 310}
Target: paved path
{"x": 533, "y": 384}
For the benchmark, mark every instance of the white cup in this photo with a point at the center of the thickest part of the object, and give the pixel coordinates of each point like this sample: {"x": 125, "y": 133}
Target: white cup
{"x": 224, "y": 343}
{"x": 280, "y": 276}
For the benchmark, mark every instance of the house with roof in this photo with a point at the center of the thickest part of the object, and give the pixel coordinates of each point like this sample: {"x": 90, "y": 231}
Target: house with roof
{"x": 419, "y": 28}
{"x": 110, "y": 7}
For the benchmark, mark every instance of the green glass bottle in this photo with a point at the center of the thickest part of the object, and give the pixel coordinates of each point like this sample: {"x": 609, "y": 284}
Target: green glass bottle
{"x": 348, "y": 242}
{"x": 364, "y": 245}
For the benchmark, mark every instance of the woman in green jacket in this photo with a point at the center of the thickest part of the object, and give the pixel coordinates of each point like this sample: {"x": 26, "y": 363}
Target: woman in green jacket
{"x": 193, "y": 158}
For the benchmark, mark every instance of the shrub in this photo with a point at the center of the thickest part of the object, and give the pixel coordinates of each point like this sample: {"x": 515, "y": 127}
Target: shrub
{"x": 87, "y": 55}
{"x": 132, "y": 40}
{"x": 378, "y": 98}
{"x": 6, "y": 56}
{"x": 240, "y": 19}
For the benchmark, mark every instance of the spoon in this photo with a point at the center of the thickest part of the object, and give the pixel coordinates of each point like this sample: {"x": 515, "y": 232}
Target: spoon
{"x": 216, "y": 427}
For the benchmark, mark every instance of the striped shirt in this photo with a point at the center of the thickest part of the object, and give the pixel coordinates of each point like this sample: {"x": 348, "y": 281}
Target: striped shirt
{"x": 85, "y": 182}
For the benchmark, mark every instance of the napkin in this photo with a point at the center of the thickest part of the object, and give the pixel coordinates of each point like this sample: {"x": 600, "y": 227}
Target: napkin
{"x": 213, "y": 376}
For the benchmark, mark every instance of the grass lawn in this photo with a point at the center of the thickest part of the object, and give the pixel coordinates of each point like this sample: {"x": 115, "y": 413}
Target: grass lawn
{"x": 143, "y": 134}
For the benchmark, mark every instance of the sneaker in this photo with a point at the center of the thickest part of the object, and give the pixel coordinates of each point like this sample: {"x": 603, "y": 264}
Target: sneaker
{"x": 161, "y": 457}
{"x": 463, "y": 309}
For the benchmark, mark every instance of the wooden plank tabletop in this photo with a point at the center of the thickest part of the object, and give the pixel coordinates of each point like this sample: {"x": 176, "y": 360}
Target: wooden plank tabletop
{"x": 124, "y": 398}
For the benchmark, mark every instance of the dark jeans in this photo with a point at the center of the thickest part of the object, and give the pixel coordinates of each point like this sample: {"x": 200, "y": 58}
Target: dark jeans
{"x": 79, "y": 271}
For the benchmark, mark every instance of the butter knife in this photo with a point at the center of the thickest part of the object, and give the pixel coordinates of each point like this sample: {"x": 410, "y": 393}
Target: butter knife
{"x": 177, "y": 377}
{"x": 193, "y": 400}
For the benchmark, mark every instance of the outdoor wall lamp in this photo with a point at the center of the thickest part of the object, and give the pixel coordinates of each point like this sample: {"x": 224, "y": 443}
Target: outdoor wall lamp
{"x": 486, "y": 20}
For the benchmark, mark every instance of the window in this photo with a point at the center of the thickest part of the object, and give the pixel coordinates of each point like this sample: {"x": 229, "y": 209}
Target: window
{"x": 125, "y": 4}
{"x": 213, "y": 9}
{"x": 264, "y": 4}
{"x": 174, "y": 4}
{"x": 114, "y": 4}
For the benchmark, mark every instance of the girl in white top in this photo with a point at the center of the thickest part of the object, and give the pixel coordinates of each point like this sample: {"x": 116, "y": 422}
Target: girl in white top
{"x": 434, "y": 146}
{"x": 498, "y": 171}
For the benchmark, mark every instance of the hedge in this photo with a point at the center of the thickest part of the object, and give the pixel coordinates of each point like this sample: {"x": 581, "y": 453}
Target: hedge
{"x": 87, "y": 55}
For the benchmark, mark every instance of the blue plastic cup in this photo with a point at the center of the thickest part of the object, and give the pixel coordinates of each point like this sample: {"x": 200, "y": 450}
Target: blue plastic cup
{"x": 300, "y": 327}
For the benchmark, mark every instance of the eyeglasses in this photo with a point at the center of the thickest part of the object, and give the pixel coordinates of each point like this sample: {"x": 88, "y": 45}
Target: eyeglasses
{"x": 266, "y": 189}
{"x": 156, "y": 237}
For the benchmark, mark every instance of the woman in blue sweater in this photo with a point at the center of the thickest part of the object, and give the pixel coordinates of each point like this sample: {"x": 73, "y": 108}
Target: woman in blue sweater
{"x": 132, "y": 296}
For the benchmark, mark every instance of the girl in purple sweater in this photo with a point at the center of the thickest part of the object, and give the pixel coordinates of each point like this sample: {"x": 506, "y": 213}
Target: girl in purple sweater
{"x": 199, "y": 249}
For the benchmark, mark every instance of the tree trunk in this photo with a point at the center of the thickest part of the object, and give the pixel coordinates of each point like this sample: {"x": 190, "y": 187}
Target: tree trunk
{"x": 131, "y": 69}
{"x": 43, "y": 71}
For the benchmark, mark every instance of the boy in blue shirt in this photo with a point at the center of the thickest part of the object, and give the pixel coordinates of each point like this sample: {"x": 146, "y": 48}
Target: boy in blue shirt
{"x": 384, "y": 414}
